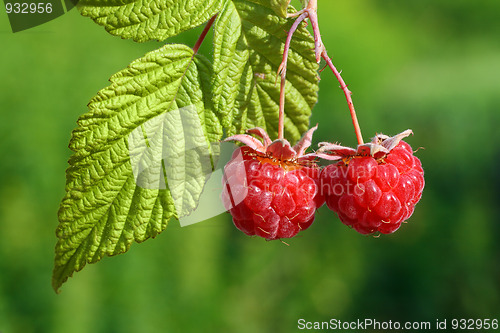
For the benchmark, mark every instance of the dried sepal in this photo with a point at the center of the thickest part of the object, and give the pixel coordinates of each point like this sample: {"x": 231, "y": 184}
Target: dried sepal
{"x": 380, "y": 146}
{"x": 333, "y": 149}
{"x": 390, "y": 142}
{"x": 260, "y": 132}
{"x": 326, "y": 156}
{"x": 280, "y": 148}
{"x": 305, "y": 142}
{"x": 247, "y": 140}
{"x": 372, "y": 149}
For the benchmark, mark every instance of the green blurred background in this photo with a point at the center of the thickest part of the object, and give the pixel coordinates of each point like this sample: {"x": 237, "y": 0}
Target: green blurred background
{"x": 432, "y": 66}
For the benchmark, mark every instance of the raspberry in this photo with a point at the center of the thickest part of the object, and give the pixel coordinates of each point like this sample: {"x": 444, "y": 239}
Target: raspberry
{"x": 271, "y": 190}
{"x": 375, "y": 188}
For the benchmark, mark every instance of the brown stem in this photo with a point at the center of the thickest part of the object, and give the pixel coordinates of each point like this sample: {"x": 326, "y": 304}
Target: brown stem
{"x": 203, "y": 34}
{"x": 282, "y": 71}
{"x": 281, "y": 115}
{"x": 347, "y": 94}
{"x": 310, "y": 12}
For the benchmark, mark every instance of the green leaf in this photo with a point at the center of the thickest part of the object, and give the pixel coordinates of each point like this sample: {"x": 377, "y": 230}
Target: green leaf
{"x": 141, "y": 156}
{"x": 248, "y": 44}
{"x": 280, "y": 7}
{"x": 143, "y": 20}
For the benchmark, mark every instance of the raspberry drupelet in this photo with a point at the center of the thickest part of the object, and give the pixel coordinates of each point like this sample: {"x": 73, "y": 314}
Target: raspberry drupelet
{"x": 270, "y": 188}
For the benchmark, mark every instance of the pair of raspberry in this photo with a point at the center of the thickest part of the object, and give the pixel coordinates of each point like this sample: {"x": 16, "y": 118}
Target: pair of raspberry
{"x": 273, "y": 190}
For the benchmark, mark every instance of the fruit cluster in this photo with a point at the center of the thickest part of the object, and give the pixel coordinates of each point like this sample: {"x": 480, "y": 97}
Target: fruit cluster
{"x": 273, "y": 190}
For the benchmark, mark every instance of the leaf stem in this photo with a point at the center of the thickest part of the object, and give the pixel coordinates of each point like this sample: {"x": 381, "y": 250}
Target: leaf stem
{"x": 203, "y": 34}
{"x": 310, "y": 12}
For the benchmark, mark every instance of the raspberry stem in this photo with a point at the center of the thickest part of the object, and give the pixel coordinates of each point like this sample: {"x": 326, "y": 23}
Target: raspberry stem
{"x": 282, "y": 71}
{"x": 310, "y": 12}
{"x": 347, "y": 94}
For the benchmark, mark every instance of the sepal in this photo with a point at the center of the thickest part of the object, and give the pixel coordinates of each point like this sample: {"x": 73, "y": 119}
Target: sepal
{"x": 280, "y": 148}
{"x": 380, "y": 146}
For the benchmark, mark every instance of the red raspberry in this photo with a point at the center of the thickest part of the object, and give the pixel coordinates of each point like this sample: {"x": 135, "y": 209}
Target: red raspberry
{"x": 374, "y": 192}
{"x": 271, "y": 191}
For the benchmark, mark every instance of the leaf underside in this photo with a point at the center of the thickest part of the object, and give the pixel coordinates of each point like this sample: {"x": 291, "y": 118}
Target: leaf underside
{"x": 144, "y": 150}
{"x": 105, "y": 209}
{"x": 280, "y": 6}
{"x": 248, "y": 44}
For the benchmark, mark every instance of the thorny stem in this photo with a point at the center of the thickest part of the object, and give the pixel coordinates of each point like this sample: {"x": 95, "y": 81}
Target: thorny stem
{"x": 310, "y": 12}
{"x": 203, "y": 34}
{"x": 347, "y": 94}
